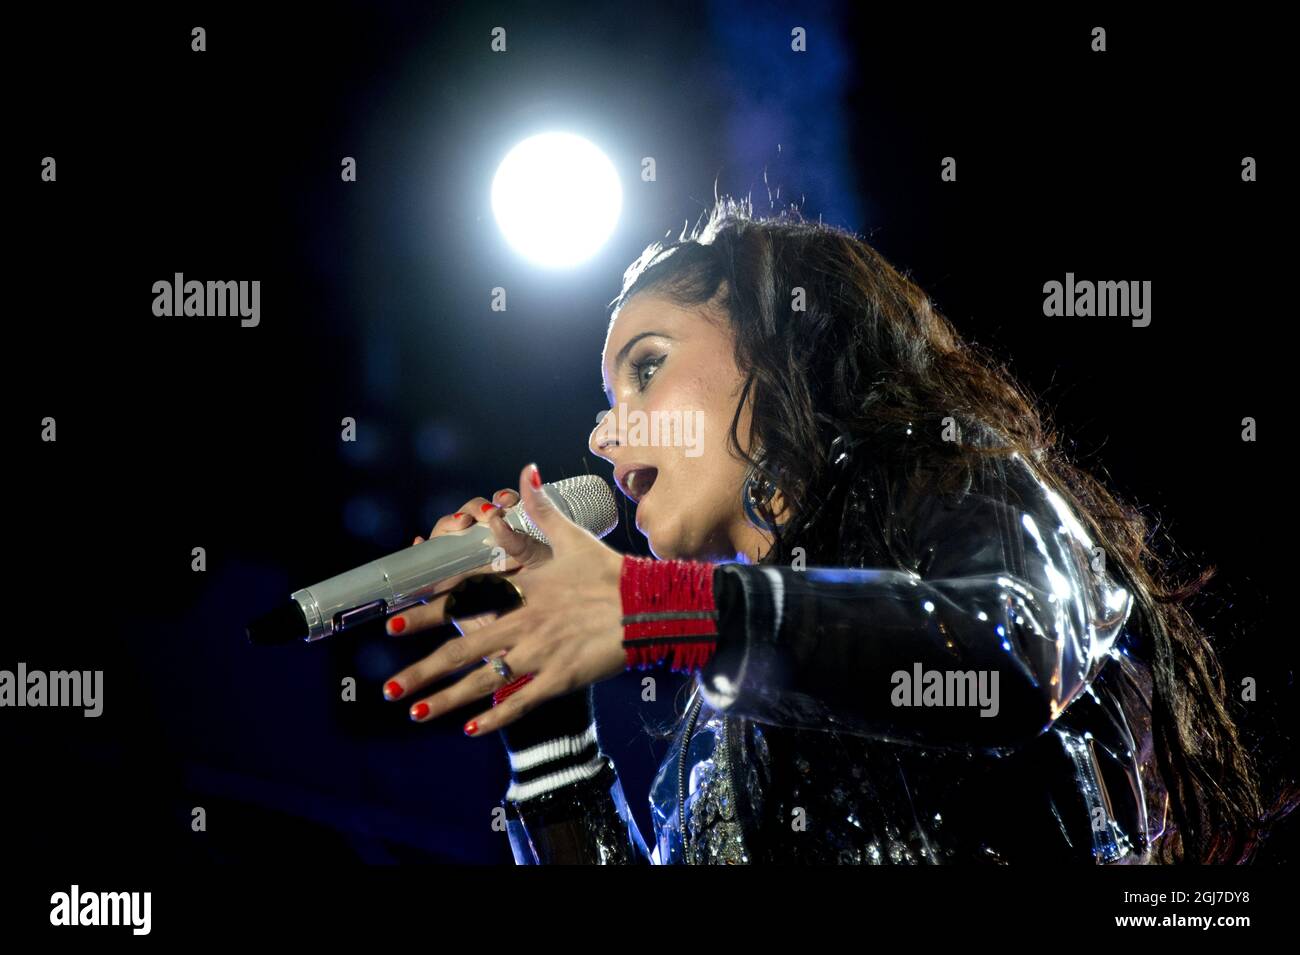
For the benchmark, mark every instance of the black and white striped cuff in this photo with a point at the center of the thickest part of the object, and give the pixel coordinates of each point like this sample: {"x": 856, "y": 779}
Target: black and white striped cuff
{"x": 553, "y": 764}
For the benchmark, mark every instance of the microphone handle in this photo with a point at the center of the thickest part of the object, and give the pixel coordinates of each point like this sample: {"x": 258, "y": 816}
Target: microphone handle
{"x": 397, "y": 581}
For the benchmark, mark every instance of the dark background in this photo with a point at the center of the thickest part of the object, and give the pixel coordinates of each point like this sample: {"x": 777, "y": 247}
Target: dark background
{"x": 176, "y": 433}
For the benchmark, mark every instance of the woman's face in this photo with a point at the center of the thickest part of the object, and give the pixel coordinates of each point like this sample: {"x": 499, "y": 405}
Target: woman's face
{"x": 671, "y": 379}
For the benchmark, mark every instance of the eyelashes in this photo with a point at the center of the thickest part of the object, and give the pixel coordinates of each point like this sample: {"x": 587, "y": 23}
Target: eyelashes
{"x": 651, "y": 362}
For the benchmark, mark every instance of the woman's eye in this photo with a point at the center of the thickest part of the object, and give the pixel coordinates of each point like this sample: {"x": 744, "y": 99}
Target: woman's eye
{"x": 648, "y": 365}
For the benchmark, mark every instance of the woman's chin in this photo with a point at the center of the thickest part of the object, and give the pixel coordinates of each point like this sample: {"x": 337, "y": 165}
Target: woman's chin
{"x": 663, "y": 546}
{"x": 666, "y": 553}
{"x": 676, "y": 540}
{"x": 672, "y": 547}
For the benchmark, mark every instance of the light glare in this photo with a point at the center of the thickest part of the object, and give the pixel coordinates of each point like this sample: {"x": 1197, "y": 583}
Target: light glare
{"x": 557, "y": 199}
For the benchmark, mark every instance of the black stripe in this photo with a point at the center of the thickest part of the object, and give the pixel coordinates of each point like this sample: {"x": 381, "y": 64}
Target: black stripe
{"x": 680, "y": 638}
{"x": 670, "y": 615}
{"x": 583, "y": 756}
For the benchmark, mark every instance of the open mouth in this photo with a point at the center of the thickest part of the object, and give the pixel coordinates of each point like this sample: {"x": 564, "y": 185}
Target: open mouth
{"x": 637, "y": 482}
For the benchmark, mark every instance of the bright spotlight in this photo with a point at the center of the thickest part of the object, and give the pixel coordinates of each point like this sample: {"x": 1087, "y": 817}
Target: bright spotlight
{"x": 557, "y": 199}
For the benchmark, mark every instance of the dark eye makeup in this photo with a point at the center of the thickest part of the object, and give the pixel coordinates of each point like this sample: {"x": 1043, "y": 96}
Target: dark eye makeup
{"x": 651, "y": 362}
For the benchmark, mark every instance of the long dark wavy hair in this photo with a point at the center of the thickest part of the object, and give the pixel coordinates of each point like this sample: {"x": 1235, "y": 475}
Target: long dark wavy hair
{"x": 869, "y": 352}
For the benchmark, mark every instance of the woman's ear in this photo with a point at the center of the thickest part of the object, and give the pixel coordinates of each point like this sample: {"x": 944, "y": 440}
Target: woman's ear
{"x": 779, "y": 506}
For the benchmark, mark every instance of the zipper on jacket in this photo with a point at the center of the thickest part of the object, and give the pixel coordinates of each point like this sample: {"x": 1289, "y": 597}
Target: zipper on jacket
{"x": 681, "y": 770}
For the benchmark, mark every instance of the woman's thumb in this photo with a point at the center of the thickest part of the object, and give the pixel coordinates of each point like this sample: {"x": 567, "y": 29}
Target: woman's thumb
{"x": 545, "y": 516}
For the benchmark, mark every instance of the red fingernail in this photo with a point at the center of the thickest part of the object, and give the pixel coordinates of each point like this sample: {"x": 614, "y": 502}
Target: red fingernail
{"x": 458, "y": 514}
{"x": 397, "y": 625}
{"x": 392, "y": 689}
{"x": 487, "y": 507}
{"x": 419, "y": 711}
{"x": 471, "y": 727}
{"x": 536, "y": 477}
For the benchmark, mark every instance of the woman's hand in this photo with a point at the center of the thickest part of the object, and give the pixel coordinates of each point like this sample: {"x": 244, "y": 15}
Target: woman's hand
{"x": 568, "y": 634}
{"x": 514, "y": 552}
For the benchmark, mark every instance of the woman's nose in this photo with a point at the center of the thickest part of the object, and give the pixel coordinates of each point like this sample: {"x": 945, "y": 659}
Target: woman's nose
{"x": 602, "y": 437}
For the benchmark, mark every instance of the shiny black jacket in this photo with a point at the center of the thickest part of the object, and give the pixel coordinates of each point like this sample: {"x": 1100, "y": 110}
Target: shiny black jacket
{"x": 966, "y": 688}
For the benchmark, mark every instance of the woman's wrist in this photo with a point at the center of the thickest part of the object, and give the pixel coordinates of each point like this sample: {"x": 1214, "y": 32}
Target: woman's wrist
{"x": 669, "y": 617}
{"x": 553, "y": 745}
{"x": 669, "y": 613}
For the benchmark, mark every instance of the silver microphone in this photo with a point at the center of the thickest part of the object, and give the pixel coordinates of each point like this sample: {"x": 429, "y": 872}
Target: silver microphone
{"x": 408, "y": 577}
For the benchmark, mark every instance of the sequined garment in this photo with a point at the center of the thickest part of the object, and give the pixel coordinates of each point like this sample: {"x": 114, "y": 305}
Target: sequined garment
{"x": 964, "y": 686}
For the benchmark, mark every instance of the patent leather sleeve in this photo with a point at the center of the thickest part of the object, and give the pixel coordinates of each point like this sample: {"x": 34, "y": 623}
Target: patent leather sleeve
{"x": 586, "y": 823}
{"x": 1007, "y": 617}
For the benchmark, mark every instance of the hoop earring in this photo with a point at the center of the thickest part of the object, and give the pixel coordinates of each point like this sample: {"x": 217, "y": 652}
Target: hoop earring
{"x": 757, "y": 492}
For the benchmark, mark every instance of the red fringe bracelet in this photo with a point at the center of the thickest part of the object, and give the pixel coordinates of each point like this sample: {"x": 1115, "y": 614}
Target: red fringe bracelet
{"x": 518, "y": 684}
{"x": 668, "y": 612}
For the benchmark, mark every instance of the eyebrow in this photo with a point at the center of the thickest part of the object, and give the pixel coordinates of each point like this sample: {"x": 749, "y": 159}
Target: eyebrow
{"x": 622, "y": 356}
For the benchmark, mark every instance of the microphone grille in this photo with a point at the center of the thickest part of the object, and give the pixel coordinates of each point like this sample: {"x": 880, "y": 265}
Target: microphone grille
{"x": 586, "y": 500}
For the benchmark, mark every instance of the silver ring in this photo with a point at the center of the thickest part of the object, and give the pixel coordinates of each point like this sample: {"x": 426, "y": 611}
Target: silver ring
{"x": 503, "y": 669}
